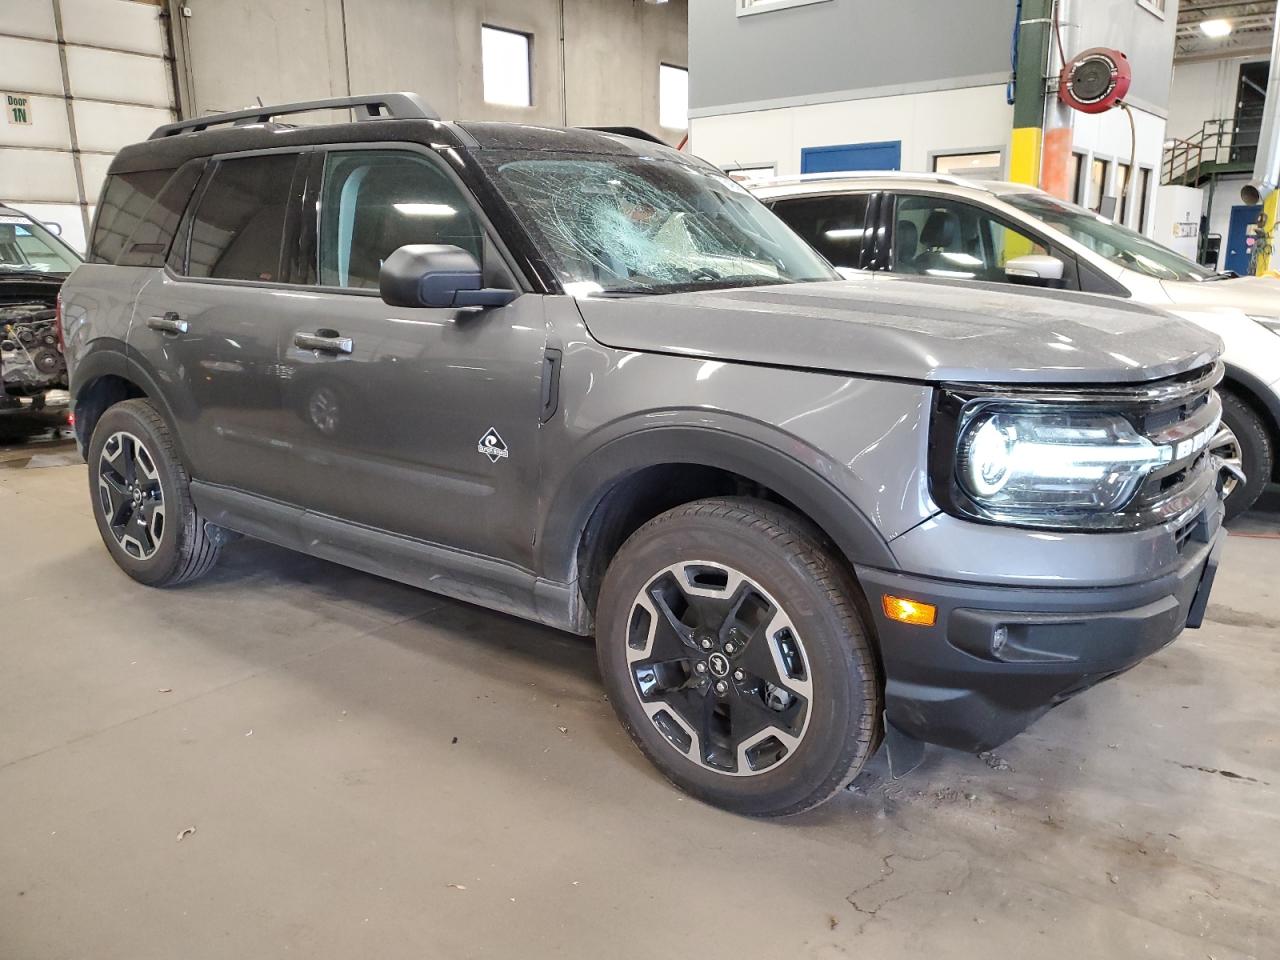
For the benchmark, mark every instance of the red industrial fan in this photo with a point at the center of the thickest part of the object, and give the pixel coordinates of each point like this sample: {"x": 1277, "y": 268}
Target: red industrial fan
{"x": 1096, "y": 80}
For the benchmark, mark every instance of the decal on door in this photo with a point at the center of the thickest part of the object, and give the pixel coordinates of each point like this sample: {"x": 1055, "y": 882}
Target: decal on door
{"x": 492, "y": 446}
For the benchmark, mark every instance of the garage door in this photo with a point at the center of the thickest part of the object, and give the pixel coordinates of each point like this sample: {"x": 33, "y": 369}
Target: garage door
{"x": 78, "y": 80}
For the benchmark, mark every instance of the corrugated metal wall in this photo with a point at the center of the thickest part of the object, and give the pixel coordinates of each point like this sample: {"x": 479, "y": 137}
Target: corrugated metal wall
{"x": 96, "y": 76}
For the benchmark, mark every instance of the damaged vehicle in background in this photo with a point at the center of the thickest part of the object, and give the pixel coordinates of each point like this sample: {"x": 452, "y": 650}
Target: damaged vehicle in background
{"x": 33, "y": 265}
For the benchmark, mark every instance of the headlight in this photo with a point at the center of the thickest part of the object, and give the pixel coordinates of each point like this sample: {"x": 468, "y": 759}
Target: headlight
{"x": 1036, "y": 464}
{"x": 1271, "y": 323}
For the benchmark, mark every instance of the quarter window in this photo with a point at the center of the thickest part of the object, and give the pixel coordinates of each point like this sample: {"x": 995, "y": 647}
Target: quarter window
{"x": 937, "y": 237}
{"x": 238, "y": 229}
{"x": 375, "y": 201}
{"x": 834, "y": 226}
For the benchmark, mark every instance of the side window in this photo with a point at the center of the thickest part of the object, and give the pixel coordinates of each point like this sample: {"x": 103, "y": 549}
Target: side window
{"x": 832, "y": 225}
{"x": 150, "y": 240}
{"x": 238, "y": 229}
{"x": 375, "y": 201}
{"x": 940, "y": 237}
{"x": 126, "y": 197}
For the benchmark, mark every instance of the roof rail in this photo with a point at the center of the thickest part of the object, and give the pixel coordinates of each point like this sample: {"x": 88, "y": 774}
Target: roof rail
{"x": 800, "y": 178}
{"x": 374, "y": 106}
{"x": 634, "y": 132}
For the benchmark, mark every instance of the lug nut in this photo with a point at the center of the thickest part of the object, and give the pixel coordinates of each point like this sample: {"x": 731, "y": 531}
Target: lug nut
{"x": 706, "y": 643}
{"x": 729, "y": 647}
{"x": 700, "y": 667}
{"x": 721, "y": 686}
{"x": 738, "y": 675}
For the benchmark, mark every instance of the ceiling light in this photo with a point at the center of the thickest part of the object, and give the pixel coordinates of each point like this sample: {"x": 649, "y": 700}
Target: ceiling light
{"x": 1215, "y": 28}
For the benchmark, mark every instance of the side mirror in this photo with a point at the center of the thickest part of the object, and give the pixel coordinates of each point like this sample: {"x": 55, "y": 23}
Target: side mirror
{"x": 1035, "y": 269}
{"x": 437, "y": 275}
{"x": 53, "y": 227}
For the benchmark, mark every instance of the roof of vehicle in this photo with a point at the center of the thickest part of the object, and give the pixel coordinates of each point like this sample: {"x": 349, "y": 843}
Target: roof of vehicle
{"x": 382, "y": 117}
{"x": 770, "y": 188}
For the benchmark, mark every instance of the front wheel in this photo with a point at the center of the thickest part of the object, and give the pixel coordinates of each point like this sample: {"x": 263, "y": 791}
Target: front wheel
{"x": 141, "y": 498}
{"x": 733, "y": 652}
{"x": 1243, "y": 441}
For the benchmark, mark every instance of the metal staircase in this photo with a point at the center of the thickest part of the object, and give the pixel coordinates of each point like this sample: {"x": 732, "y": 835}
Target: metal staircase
{"x": 1221, "y": 147}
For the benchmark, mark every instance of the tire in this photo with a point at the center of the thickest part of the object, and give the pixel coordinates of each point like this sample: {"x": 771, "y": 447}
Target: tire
{"x": 132, "y": 450}
{"x": 755, "y": 747}
{"x": 1246, "y": 440}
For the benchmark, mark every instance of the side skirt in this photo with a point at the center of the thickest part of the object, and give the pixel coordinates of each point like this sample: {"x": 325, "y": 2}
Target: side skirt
{"x": 452, "y": 573}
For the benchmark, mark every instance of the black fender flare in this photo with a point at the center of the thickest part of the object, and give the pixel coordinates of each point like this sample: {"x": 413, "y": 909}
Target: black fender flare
{"x": 798, "y": 473}
{"x": 115, "y": 359}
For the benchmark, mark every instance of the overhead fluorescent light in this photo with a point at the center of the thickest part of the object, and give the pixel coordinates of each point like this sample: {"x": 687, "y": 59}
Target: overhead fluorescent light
{"x": 425, "y": 209}
{"x": 1215, "y": 28}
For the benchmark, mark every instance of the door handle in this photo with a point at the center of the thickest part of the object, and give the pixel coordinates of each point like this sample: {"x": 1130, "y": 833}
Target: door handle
{"x": 169, "y": 323}
{"x": 326, "y": 341}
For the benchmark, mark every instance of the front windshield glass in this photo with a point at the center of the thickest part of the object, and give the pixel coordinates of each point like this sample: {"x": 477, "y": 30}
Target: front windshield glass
{"x": 634, "y": 225}
{"x": 1118, "y": 244}
{"x": 27, "y": 247}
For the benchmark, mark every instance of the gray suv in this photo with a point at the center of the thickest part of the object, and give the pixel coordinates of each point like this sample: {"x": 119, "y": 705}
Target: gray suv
{"x": 587, "y": 380}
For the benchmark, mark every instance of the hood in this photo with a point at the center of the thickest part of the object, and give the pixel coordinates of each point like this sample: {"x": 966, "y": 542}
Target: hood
{"x": 1259, "y": 296}
{"x": 22, "y": 288}
{"x": 879, "y": 325}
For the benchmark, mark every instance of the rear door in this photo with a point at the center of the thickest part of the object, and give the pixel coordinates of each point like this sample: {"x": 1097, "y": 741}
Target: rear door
{"x": 206, "y": 326}
{"x": 422, "y": 422}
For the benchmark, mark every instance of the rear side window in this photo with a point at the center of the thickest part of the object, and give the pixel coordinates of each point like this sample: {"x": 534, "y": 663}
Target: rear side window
{"x": 150, "y": 240}
{"x": 238, "y": 228}
{"x": 834, "y": 225}
{"x": 126, "y": 198}
{"x": 375, "y": 201}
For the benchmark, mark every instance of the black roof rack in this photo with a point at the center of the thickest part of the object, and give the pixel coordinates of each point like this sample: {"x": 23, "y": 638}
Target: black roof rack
{"x": 374, "y": 106}
{"x": 633, "y": 132}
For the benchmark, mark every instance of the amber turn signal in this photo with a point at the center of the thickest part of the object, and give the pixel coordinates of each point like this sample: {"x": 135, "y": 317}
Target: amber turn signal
{"x": 910, "y": 611}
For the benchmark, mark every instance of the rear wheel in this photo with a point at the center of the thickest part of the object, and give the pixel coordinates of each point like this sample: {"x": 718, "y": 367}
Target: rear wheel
{"x": 734, "y": 654}
{"x": 141, "y": 498}
{"x": 1243, "y": 441}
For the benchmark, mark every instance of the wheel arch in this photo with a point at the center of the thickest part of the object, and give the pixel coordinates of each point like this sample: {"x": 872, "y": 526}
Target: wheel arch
{"x": 105, "y": 378}
{"x": 624, "y": 483}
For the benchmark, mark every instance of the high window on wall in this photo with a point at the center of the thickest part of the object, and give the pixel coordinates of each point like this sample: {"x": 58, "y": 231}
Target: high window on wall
{"x": 748, "y": 7}
{"x": 1098, "y": 171}
{"x": 1077, "y": 181}
{"x": 673, "y": 97}
{"x": 1124, "y": 187}
{"x": 1144, "y": 197}
{"x": 507, "y": 65}
{"x": 986, "y": 165}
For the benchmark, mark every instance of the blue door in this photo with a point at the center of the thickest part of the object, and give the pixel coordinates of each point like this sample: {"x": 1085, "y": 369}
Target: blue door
{"x": 884, "y": 155}
{"x": 1238, "y": 249}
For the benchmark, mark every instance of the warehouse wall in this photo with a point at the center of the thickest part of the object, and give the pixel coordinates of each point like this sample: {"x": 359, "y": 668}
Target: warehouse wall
{"x": 96, "y": 77}
{"x": 1202, "y": 91}
{"x": 234, "y": 51}
{"x": 825, "y": 51}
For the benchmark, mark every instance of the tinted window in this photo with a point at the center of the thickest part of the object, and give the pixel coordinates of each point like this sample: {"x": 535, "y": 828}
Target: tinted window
{"x": 940, "y": 237}
{"x": 150, "y": 240}
{"x": 238, "y": 229}
{"x": 375, "y": 201}
{"x": 834, "y": 226}
{"x": 126, "y": 198}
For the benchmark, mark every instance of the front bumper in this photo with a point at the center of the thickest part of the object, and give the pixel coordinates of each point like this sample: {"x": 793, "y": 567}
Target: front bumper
{"x": 999, "y": 657}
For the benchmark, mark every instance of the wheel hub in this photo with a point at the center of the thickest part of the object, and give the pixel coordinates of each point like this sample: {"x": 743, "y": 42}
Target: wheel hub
{"x": 719, "y": 668}
{"x": 130, "y": 496}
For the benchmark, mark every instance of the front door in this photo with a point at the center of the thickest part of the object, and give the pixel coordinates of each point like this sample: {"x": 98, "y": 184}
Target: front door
{"x": 421, "y": 422}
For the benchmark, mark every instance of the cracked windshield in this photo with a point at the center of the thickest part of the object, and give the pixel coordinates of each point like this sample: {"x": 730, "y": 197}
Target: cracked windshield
{"x": 616, "y": 225}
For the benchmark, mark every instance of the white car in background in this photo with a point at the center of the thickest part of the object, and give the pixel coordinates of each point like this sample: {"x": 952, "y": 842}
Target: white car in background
{"x": 945, "y": 227}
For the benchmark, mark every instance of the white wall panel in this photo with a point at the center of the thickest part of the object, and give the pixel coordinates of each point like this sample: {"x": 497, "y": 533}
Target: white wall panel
{"x": 29, "y": 66}
{"x": 94, "y": 167}
{"x": 112, "y": 23}
{"x": 48, "y": 127}
{"x": 107, "y": 75}
{"x": 109, "y": 126}
{"x": 977, "y": 118}
{"x": 39, "y": 175}
{"x": 27, "y": 18}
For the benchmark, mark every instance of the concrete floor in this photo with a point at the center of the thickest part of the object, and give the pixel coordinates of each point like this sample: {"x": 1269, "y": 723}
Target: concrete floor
{"x": 371, "y": 771}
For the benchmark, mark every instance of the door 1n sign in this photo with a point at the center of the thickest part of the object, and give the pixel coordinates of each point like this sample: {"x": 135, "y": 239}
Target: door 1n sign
{"x": 17, "y": 109}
